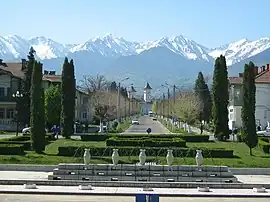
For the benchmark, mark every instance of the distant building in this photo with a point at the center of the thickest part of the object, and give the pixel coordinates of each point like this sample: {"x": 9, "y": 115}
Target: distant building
{"x": 146, "y": 104}
{"x": 11, "y": 75}
{"x": 262, "y": 113}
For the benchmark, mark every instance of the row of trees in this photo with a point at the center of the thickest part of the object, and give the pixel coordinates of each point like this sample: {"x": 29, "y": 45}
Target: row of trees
{"x": 31, "y": 110}
{"x": 104, "y": 99}
{"x": 102, "y": 102}
{"x": 189, "y": 105}
{"x": 201, "y": 104}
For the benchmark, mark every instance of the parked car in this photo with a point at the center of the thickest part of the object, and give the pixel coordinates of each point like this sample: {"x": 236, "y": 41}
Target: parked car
{"x": 264, "y": 132}
{"x": 135, "y": 122}
{"x": 26, "y": 131}
{"x": 104, "y": 129}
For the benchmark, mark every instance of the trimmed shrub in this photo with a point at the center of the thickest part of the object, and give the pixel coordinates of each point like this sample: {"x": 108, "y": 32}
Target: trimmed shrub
{"x": 145, "y": 142}
{"x": 17, "y": 138}
{"x": 185, "y": 137}
{"x": 157, "y": 152}
{"x": 11, "y": 149}
{"x": 26, "y": 144}
{"x": 95, "y": 137}
{"x": 264, "y": 145}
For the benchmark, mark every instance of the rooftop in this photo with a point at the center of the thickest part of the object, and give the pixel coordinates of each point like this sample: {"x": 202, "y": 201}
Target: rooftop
{"x": 16, "y": 69}
{"x": 147, "y": 87}
{"x": 262, "y": 75}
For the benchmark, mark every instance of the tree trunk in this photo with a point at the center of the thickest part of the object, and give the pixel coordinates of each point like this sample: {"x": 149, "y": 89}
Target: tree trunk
{"x": 100, "y": 126}
{"x": 250, "y": 151}
{"x": 201, "y": 128}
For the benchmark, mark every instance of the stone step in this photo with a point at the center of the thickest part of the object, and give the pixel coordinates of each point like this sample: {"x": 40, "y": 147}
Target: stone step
{"x": 133, "y": 167}
{"x": 141, "y": 178}
{"x": 142, "y": 173}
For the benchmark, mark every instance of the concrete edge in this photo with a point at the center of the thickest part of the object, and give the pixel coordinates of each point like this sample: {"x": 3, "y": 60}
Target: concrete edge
{"x": 135, "y": 184}
{"x": 49, "y": 168}
{"x": 25, "y": 167}
{"x": 134, "y": 194}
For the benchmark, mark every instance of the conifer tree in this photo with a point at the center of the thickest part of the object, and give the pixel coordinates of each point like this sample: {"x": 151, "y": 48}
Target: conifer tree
{"x": 248, "y": 110}
{"x": 26, "y": 88}
{"x": 220, "y": 99}
{"x": 202, "y": 91}
{"x": 37, "y": 119}
{"x": 68, "y": 92}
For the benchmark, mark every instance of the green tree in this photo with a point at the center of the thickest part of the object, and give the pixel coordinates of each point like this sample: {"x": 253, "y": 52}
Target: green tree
{"x": 37, "y": 120}
{"x": 26, "y": 88}
{"x": 248, "y": 110}
{"x": 68, "y": 96}
{"x": 52, "y": 106}
{"x": 220, "y": 99}
{"x": 154, "y": 107}
{"x": 202, "y": 91}
{"x": 113, "y": 87}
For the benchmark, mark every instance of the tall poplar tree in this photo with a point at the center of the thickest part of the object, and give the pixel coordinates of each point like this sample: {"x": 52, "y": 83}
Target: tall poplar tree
{"x": 220, "y": 99}
{"x": 37, "y": 119}
{"x": 68, "y": 92}
{"x": 202, "y": 91}
{"x": 26, "y": 88}
{"x": 248, "y": 110}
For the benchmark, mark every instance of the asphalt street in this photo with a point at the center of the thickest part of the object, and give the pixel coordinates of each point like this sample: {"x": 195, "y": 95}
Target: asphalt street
{"x": 147, "y": 122}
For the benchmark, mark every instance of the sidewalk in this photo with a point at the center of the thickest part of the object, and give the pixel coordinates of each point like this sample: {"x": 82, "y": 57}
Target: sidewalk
{"x": 27, "y": 175}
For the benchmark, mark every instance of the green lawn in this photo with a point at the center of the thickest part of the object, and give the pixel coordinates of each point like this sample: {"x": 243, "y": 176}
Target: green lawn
{"x": 241, "y": 151}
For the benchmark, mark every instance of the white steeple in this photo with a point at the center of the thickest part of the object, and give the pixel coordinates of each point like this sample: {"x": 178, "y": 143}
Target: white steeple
{"x": 147, "y": 93}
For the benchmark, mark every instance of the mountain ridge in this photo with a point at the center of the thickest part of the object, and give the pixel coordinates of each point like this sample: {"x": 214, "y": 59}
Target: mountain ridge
{"x": 14, "y": 47}
{"x": 170, "y": 59}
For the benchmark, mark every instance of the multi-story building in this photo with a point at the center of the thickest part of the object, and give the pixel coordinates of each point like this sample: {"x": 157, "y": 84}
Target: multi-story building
{"x": 11, "y": 75}
{"x": 262, "y": 113}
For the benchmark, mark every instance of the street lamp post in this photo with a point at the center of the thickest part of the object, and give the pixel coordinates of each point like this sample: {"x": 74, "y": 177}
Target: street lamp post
{"x": 17, "y": 96}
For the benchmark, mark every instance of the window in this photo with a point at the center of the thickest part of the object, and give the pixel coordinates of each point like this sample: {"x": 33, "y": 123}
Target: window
{"x": 2, "y": 113}
{"x": 84, "y": 115}
{"x": 10, "y": 113}
{"x": 2, "y": 91}
{"x": 8, "y": 92}
{"x": 85, "y": 100}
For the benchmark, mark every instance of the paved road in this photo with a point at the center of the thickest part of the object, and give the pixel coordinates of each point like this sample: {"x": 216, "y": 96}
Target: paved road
{"x": 147, "y": 122}
{"x": 74, "y": 198}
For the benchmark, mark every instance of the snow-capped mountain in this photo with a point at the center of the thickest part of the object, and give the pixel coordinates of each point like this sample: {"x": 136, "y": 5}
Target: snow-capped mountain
{"x": 14, "y": 47}
{"x": 47, "y": 48}
{"x": 179, "y": 45}
{"x": 241, "y": 50}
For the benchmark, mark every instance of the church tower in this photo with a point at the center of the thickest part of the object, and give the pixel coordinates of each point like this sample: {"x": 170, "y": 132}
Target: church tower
{"x": 147, "y": 93}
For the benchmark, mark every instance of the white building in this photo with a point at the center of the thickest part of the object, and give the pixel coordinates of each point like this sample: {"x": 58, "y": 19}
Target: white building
{"x": 11, "y": 75}
{"x": 147, "y": 100}
{"x": 262, "y": 114}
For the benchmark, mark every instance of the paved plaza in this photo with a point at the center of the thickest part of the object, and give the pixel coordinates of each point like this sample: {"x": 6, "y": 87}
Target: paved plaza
{"x": 73, "y": 198}
{"x": 17, "y": 193}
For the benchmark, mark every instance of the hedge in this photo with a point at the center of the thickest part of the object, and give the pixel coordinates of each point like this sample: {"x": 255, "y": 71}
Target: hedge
{"x": 129, "y": 151}
{"x": 11, "y": 149}
{"x": 264, "y": 144}
{"x": 187, "y": 138}
{"x": 146, "y": 142}
{"x": 95, "y": 137}
{"x": 25, "y": 141}
{"x": 26, "y": 144}
{"x": 17, "y": 138}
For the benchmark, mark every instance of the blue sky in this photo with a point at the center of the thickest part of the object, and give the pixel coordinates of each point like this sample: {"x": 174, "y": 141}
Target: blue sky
{"x": 208, "y": 22}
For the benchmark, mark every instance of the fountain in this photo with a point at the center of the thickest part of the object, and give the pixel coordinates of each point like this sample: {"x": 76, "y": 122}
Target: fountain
{"x": 143, "y": 171}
